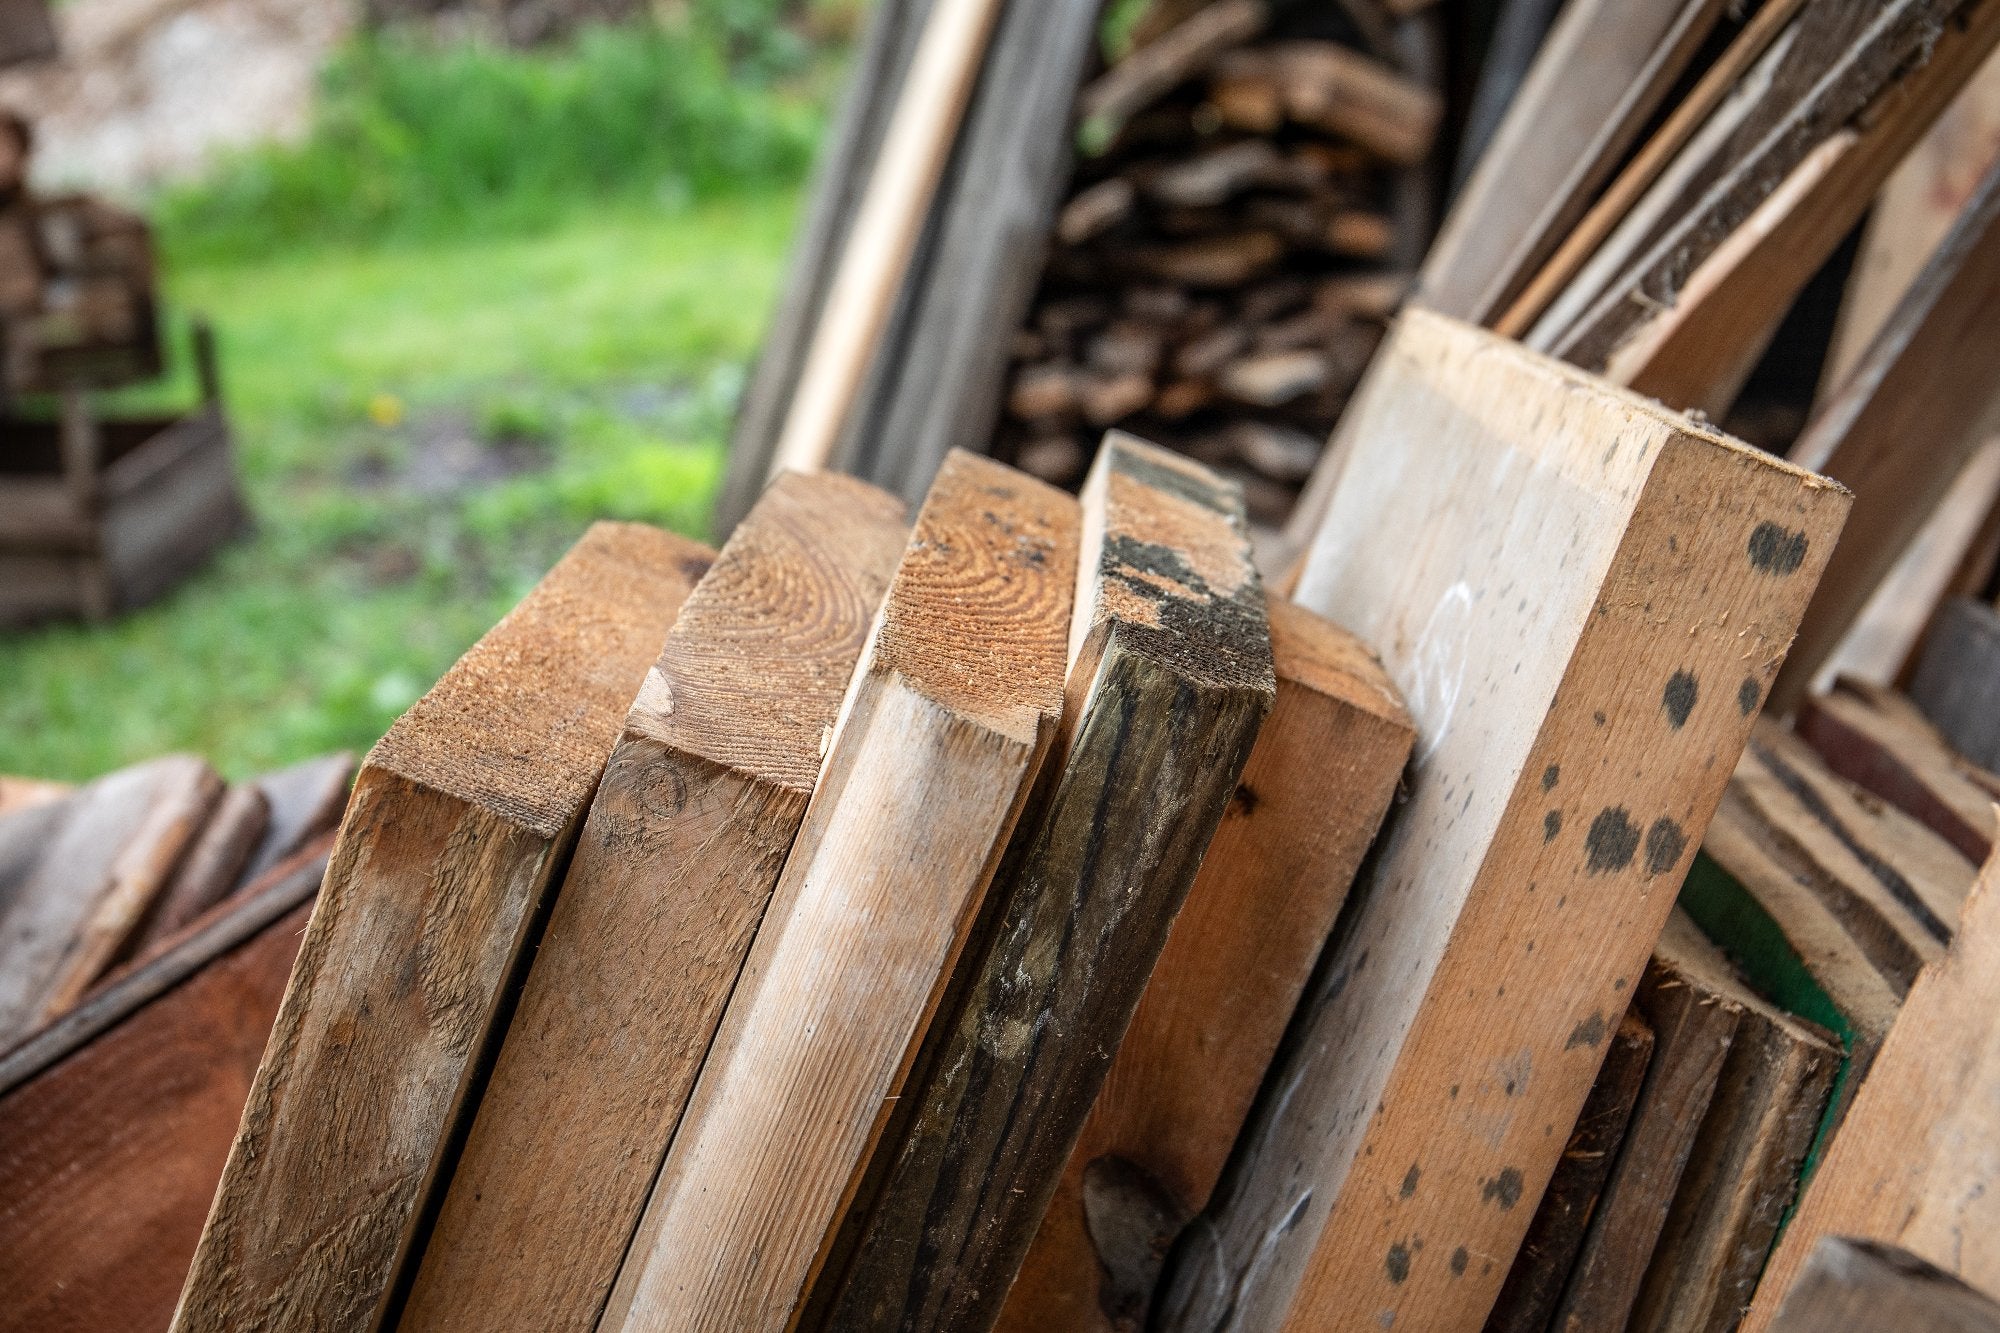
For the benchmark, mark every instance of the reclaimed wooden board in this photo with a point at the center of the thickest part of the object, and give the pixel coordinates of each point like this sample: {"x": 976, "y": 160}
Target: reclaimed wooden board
{"x": 1914, "y": 1163}
{"x": 1903, "y": 425}
{"x": 1239, "y": 956}
{"x": 1694, "y": 1023}
{"x": 117, "y": 1128}
{"x": 1957, "y": 682}
{"x": 461, "y": 815}
{"x": 210, "y": 870}
{"x": 1849, "y": 1284}
{"x": 1516, "y": 574}
{"x": 1549, "y": 1252}
{"x": 78, "y": 875}
{"x": 1169, "y": 680}
{"x": 950, "y": 713}
{"x": 671, "y": 874}
{"x": 1744, "y": 1171}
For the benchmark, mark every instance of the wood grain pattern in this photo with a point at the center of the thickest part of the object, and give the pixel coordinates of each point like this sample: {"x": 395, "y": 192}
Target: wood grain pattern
{"x": 1169, "y": 679}
{"x": 950, "y": 713}
{"x": 1238, "y": 958}
{"x": 115, "y": 1139}
{"x": 1694, "y": 1024}
{"x": 1914, "y": 1163}
{"x": 1549, "y": 1251}
{"x": 1849, "y": 1284}
{"x": 460, "y": 816}
{"x": 676, "y": 861}
{"x": 1957, "y": 682}
{"x": 1574, "y": 590}
{"x": 77, "y": 876}
{"x": 1744, "y": 1171}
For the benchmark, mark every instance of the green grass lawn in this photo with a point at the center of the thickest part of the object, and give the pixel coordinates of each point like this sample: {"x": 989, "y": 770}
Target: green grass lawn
{"x": 423, "y": 429}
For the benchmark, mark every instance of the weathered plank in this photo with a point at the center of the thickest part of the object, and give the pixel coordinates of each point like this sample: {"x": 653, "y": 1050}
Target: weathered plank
{"x": 1957, "y": 683}
{"x": 1572, "y": 588}
{"x": 460, "y": 816}
{"x": 117, "y": 1127}
{"x": 305, "y": 800}
{"x": 1238, "y": 958}
{"x": 676, "y": 861}
{"x": 1914, "y": 1164}
{"x": 1903, "y": 425}
{"x": 1170, "y": 677}
{"x": 1849, "y": 1284}
{"x": 1694, "y": 1024}
{"x": 77, "y": 876}
{"x": 212, "y": 867}
{"x": 1548, "y": 1253}
{"x": 1744, "y": 1170}
{"x": 938, "y": 741}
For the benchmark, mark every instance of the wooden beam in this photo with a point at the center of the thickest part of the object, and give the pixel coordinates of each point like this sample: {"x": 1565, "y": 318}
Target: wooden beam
{"x": 938, "y": 741}
{"x": 1849, "y": 1284}
{"x": 1957, "y": 684}
{"x": 1600, "y": 75}
{"x": 676, "y": 861}
{"x": 461, "y": 815}
{"x": 1567, "y": 745}
{"x": 1694, "y": 1023}
{"x": 1913, "y": 1164}
{"x": 1238, "y": 958}
{"x": 1170, "y": 677}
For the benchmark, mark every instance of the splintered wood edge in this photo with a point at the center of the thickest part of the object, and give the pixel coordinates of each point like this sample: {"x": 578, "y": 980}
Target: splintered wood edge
{"x": 993, "y": 554}
{"x": 522, "y": 725}
{"x": 1685, "y": 953}
{"x": 754, "y": 668}
{"x": 1165, "y": 560}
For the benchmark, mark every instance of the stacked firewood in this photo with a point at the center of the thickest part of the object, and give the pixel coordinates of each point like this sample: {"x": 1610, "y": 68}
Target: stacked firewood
{"x": 1222, "y": 271}
{"x": 76, "y": 285}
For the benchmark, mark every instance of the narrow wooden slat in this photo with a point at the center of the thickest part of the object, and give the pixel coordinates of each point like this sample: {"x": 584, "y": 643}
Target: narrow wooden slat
{"x": 1914, "y": 1163}
{"x": 305, "y": 800}
{"x": 939, "y": 738}
{"x": 212, "y": 867}
{"x": 1694, "y": 1024}
{"x": 1170, "y": 677}
{"x": 461, "y": 814}
{"x": 683, "y": 844}
{"x": 1849, "y": 1284}
{"x": 1239, "y": 956}
{"x": 1957, "y": 683}
{"x": 1572, "y": 588}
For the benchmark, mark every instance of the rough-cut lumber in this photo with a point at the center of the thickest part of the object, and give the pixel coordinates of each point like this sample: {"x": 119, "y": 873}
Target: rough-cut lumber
{"x": 1849, "y": 1284}
{"x": 1132, "y": 84}
{"x": 1903, "y": 425}
{"x": 119, "y": 1118}
{"x": 679, "y": 854}
{"x": 461, "y": 815}
{"x": 78, "y": 875}
{"x": 950, "y": 712}
{"x": 1573, "y": 589}
{"x": 305, "y": 800}
{"x": 1600, "y": 75}
{"x": 1914, "y": 1164}
{"x": 1744, "y": 1171}
{"x": 887, "y": 225}
{"x": 1694, "y": 1023}
{"x": 1877, "y": 740}
{"x": 1957, "y": 682}
{"x": 1549, "y": 1251}
{"x": 212, "y": 867}
{"x": 1235, "y": 964}
{"x": 1169, "y": 679}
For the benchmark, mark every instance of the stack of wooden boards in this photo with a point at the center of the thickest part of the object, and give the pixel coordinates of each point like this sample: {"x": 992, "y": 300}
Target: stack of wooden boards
{"x": 96, "y": 514}
{"x": 947, "y": 220}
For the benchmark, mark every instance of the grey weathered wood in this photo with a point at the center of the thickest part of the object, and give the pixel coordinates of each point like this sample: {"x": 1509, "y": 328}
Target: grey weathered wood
{"x": 1170, "y": 677}
{"x": 1957, "y": 684}
{"x": 1518, "y": 33}
{"x": 305, "y": 801}
{"x": 1850, "y": 1285}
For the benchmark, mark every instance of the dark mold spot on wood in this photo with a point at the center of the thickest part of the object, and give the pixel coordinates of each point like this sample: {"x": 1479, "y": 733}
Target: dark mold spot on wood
{"x": 1551, "y": 776}
{"x": 1664, "y": 844}
{"x": 1679, "y": 696}
{"x": 1552, "y": 824}
{"x": 1587, "y": 1033}
{"x": 1598, "y": 717}
{"x": 1410, "y": 1179}
{"x": 1612, "y": 841}
{"x": 1748, "y": 695}
{"x": 1398, "y": 1263}
{"x": 1776, "y": 550}
{"x": 1246, "y": 800}
{"x": 1504, "y": 1189}
{"x": 1459, "y": 1259}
